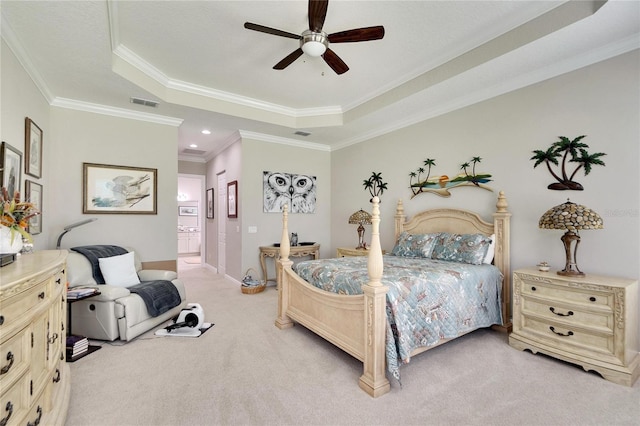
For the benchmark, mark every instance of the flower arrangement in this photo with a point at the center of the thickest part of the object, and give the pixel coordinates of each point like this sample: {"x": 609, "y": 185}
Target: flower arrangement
{"x": 15, "y": 215}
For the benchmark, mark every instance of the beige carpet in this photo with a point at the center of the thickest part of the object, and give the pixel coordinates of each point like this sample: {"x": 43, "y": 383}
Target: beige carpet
{"x": 245, "y": 371}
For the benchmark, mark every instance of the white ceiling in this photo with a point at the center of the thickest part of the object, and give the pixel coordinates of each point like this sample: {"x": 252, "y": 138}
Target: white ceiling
{"x": 207, "y": 71}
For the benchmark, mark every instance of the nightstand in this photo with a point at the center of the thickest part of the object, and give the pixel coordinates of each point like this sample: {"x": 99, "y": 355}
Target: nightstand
{"x": 590, "y": 321}
{"x": 345, "y": 251}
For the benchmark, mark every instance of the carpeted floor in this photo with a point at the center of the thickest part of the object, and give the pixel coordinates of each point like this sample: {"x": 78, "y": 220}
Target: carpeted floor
{"x": 245, "y": 371}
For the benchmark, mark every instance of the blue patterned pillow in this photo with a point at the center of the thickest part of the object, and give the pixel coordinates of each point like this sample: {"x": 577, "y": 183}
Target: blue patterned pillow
{"x": 418, "y": 245}
{"x": 462, "y": 248}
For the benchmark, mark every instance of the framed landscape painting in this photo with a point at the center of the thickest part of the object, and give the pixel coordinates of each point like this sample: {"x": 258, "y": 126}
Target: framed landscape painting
{"x": 119, "y": 189}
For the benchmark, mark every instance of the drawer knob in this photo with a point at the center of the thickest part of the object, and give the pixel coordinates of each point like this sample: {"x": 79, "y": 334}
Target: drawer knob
{"x": 592, "y": 299}
{"x": 9, "y": 408}
{"x": 7, "y": 367}
{"x": 56, "y": 378}
{"x": 41, "y": 295}
{"x": 560, "y": 314}
{"x": 569, "y": 333}
{"x": 533, "y": 288}
{"x": 1, "y": 319}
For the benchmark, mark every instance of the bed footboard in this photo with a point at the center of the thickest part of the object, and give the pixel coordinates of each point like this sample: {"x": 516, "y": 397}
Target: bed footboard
{"x": 356, "y": 324}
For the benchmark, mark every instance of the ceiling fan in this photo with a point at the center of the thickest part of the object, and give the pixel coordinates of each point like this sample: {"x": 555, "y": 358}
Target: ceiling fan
{"x": 315, "y": 42}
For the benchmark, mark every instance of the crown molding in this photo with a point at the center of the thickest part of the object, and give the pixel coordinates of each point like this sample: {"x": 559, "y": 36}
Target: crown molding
{"x": 571, "y": 64}
{"x": 283, "y": 141}
{"x": 23, "y": 58}
{"x": 115, "y": 112}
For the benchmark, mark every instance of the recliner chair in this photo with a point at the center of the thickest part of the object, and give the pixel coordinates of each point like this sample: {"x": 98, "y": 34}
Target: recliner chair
{"x": 116, "y": 312}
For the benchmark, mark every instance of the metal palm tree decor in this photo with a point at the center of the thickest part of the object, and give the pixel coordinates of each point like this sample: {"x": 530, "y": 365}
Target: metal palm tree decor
{"x": 375, "y": 185}
{"x": 571, "y": 151}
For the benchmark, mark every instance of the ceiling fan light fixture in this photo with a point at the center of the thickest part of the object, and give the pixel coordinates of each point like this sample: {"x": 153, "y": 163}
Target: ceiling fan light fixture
{"x": 314, "y": 44}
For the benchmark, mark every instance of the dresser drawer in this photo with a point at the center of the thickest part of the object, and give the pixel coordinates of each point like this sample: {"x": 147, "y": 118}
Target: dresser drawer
{"x": 14, "y": 308}
{"x": 554, "y": 310}
{"x": 566, "y": 292}
{"x": 572, "y": 338}
{"x": 14, "y": 358}
{"x": 14, "y": 402}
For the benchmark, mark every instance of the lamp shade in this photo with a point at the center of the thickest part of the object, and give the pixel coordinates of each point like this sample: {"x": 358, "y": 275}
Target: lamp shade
{"x": 571, "y": 216}
{"x": 360, "y": 218}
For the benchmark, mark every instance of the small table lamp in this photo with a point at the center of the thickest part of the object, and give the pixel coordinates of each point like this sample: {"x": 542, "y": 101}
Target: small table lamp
{"x": 360, "y": 218}
{"x": 572, "y": 217}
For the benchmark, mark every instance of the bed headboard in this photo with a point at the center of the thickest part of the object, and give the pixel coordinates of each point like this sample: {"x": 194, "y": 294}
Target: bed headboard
{"x": 466, "y": 222}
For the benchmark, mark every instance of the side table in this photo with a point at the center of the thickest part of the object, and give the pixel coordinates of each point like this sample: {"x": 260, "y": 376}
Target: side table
{"x": 92, "y": 348}
{"x": 345, "y": 251}
{"x": 295, "y": 251}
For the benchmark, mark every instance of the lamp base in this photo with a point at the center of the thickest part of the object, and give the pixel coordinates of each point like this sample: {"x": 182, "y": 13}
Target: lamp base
{"x": 571, "y": 273}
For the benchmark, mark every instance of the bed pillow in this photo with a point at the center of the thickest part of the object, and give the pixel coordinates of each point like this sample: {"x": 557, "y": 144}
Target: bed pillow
{"x": 119, "y": 270}
{"x": 491, "y": 251}
{"x": 462, "y": 248}
{"x": 414, "y": 245}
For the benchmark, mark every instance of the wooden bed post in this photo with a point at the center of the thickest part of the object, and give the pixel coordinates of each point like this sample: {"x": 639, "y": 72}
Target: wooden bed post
{"x": 374, "y": 380}
{"x": 283, "y": 321}
{"x": 501, "y": 219}
{"x": 400, "y": 218}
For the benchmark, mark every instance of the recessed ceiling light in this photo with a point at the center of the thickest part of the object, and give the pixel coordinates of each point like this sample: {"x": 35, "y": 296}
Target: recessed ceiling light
{"x": 206, "y": 132}
{"x": 193, "y": 145}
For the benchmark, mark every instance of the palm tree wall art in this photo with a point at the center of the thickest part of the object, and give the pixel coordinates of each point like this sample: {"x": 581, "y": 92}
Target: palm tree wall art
{"x": 571, "y": 151}
{"x": 441, "y": 185}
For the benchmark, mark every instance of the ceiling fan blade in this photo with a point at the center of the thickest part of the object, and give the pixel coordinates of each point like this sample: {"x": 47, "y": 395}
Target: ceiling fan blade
{"x": 288, "y": 60}
{"x": 335, "y": 62}
{"x": 358, "y": 34}
{"x": 317, "y": 13}
{"x": 268, "y": 30}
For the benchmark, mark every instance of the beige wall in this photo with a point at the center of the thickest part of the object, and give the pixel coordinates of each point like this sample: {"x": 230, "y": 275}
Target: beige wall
{"x": 259, "y": 156}
{"x": 600, "y": 101}
{"x": 78, "y": 137}
{"x": 21, "y": 98}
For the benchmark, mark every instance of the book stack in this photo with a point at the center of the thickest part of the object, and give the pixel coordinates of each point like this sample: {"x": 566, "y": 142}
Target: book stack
{"x": 77, "y": 293}
{"x": 76, "y": 346}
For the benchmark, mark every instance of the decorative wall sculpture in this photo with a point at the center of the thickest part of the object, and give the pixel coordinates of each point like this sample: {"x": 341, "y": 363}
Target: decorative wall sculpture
{"x": 441, "y": 184}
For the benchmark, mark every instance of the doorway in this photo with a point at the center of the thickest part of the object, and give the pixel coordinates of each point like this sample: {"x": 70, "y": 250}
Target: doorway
{"x": 191, "y": 225}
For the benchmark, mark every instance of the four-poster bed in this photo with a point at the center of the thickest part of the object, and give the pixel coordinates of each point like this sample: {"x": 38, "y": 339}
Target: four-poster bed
{"x": 357, "y": 323}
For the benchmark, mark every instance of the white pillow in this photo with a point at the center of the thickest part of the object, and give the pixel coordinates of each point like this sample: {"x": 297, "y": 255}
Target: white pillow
{"x": 119, "y": 270}
{"x": 491, "y": 250}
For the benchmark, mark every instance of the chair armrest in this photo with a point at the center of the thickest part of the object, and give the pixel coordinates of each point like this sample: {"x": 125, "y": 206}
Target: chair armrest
{"x": 156, "y": 274}
{"x": 109, "y": 292}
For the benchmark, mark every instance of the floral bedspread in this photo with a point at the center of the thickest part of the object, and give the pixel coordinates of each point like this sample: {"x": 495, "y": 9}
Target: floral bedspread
{"x": 428, "y": 300}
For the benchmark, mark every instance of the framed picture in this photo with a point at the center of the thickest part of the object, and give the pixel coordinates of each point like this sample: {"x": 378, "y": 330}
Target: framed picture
{"x": 10, "y": 168}
{"x": 119, "y": 189}
{"x": 32, "y": 148}
{"x": 187, "y": 211}
{"x": 210, "y": 203}
{"x": 33, "y": 193}
{"x": 232, "y": 199}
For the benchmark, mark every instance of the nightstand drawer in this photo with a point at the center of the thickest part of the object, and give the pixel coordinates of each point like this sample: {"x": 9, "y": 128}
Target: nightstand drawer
{"x": 565, "y": 292}
{"x": 574, "y": 339}
{"x": 567, "y": 313}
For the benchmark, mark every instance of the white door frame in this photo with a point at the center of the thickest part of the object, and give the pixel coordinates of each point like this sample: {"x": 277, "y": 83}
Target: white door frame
{"x": 222, "y": 222}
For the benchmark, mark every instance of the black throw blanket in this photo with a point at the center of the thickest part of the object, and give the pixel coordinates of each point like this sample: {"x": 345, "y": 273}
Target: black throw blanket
{"x": 159, "y": 296}
{"x": 95, "y": 252}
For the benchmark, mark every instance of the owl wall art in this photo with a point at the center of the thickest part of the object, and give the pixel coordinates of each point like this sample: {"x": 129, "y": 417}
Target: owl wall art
{"x": 297, "y": 191}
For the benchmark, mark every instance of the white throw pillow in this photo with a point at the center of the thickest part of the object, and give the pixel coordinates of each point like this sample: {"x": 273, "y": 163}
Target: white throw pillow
{"x": 119, "y": 270}
{"x": 491, "y": 251}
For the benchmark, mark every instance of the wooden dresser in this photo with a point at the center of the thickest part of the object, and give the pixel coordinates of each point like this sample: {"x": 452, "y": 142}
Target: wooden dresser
{"x": 34, "y": 377}
{"x": 590, "y": 321}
